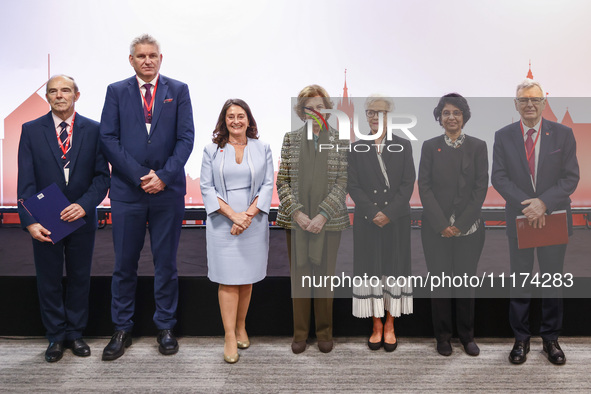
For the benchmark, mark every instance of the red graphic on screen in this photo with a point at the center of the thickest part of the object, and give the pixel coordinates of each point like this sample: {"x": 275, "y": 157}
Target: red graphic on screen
{"x": 32, "y": 108}
{"x": 346, "y": 105}
{"x": 35, "y": 106}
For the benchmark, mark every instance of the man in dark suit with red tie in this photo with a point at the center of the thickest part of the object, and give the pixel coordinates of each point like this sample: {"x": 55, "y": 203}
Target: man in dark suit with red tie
{"x": 535, "y": 169}
{"x": 147, "y": 135}
{"x": 62, "y": 147}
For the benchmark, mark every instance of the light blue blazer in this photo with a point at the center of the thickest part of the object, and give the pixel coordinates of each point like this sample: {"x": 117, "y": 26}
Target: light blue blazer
{"x": 260, "y": 161}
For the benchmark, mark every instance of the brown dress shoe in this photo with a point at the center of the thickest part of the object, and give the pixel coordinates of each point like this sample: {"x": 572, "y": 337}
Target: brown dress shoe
{"x": 325, "y": 346}
{"x": 298, "y": 347}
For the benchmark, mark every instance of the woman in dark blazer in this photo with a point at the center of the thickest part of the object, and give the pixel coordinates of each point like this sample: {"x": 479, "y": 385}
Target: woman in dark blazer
{"x": 453, "y": 181}
{"x": 381, "y": 181}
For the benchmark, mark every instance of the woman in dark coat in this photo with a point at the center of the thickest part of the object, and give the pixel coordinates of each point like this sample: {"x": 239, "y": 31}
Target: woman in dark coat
{"x": 381, "y": 181}
{"x": 312, "y": 188}
{"x": 453, "y": 181}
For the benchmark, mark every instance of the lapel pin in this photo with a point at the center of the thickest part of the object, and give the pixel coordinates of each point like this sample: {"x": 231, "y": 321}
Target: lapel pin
{"x": 168, "y": 101}
{"x": 547, "y": 133}
{"x": 438, "y": 149}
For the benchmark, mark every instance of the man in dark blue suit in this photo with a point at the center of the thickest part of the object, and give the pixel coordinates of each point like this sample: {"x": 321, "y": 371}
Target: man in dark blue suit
{"x": 147, "y": 135}
{"x": 74, "y": 162}
{"x": 535, "y": 169}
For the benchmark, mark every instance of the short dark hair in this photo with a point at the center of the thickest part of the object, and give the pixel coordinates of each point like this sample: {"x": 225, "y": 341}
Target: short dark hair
{"x": 456, "y": 100}
{"x": 221, "y": 134}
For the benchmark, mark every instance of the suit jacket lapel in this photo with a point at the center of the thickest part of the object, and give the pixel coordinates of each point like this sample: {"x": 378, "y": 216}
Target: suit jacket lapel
{"x": 51, "y": 137}
{"x": 519, "y": 146}
{"x": 136, "y": 99}
{"x": 374, "y": 164}
{"x": 545, "y": 142}
{"x": 161, "y": 92}
{"x": 78, "y": 136}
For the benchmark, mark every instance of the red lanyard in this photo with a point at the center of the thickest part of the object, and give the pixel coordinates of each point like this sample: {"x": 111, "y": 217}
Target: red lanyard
{"x": 65, "y": 146}
{"x": 533, "y": 149}
{"x": 149, "y": 107}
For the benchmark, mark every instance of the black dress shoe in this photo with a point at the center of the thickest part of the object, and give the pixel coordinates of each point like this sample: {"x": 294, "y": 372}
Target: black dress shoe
{"x": 555, "y": 354}
{"x": 116, "y": 347}
{"x": 471, "y": 348}
{"x": 519, "y": 353}
{"x": 444, "y": 348}
{"x": 375, "y": 345}
{"x": 79, "y": 347}
{"x": 168, "y": 343}
{"x": 54, "y": 352}
{"x": 390, "y": 347}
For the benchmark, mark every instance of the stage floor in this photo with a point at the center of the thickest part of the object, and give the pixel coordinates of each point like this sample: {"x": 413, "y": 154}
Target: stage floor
{"x": 270, "y": 312}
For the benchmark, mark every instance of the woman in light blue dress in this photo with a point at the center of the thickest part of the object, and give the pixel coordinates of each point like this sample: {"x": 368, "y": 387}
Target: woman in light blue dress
{"x": 237, "y": 187}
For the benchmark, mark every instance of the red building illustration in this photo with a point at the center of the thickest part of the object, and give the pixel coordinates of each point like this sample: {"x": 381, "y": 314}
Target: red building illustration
{"x": 32, "y": 108}
{"x": 36, "y": 105}
{"x": 347, "y": 106}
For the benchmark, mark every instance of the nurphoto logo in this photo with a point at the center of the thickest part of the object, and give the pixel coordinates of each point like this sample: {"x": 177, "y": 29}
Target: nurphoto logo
{"x": 345, "y": 127}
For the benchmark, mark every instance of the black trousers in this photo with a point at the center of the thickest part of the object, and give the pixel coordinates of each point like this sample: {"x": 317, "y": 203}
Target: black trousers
{"x": 551, "y": 261}
{"x": 64, "y": 315}
{"x": 452, "y": 256}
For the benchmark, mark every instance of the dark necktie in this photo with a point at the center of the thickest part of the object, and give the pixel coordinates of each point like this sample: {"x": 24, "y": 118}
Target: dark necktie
{"x": 64, "y": 138}
{"x": 148, "y": 97}
{"x": 531, "y": 151}
{"x": 64, "y": 132}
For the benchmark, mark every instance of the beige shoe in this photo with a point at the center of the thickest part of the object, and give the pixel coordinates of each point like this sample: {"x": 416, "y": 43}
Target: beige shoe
{"x": 232, "y": 359}
{"x": 243, "y": 344}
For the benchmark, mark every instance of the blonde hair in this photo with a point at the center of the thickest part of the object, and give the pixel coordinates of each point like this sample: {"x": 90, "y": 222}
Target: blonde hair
{"x": 311, "y": 91}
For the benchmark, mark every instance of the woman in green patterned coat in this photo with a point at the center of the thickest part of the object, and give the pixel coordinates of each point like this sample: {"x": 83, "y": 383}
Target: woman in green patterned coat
{"x": 312, "y": 187}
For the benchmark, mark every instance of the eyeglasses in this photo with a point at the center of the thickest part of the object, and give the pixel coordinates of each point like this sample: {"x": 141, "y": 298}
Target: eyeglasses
{"x": 370, "y": 113}
{"x": 526, "y": 100}
{"x": 448, "y": 114}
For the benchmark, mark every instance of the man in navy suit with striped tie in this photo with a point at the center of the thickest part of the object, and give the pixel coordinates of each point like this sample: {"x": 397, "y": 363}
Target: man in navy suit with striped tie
{"x": 535, "y": 169}
{"x": 147, "y": 135}
{"x": 62, "y": 147}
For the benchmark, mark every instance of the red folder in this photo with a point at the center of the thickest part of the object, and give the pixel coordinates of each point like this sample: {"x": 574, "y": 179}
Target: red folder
{"x": 555, "y": 232}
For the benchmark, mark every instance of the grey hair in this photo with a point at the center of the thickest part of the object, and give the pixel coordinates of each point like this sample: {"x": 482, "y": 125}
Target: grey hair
{"x": 528, "y": 83}
{"x": 62, "y": 76}
{"x": 373, "y": 98}
{"x": 143, "y": 39}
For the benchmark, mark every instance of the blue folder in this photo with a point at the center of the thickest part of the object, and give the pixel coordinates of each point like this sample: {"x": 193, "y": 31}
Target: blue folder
{"x": 46, "y": 206}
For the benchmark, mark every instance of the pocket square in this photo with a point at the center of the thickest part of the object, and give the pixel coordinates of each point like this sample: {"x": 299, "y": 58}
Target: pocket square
{"x": 556, "y": 151}
{"x": 168, "y": 101}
